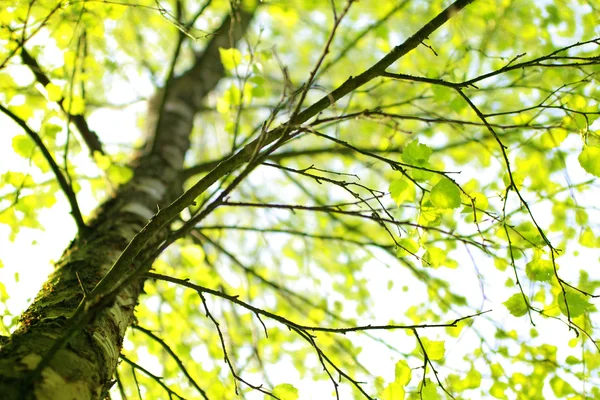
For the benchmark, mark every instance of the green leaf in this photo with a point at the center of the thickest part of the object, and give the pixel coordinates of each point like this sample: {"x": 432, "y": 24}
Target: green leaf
{"x": 588, "y": 239}
{"x": 119, "y": 174}
{"x": 589, "y": 159}
{"x": 516, "y": 305}
{"x": 230, "y": 58}
{"x": 540, "y": 270}
{"x": 577, "y": 303}
{"x": 402, "y": 373}
{"x": 481, "y": 201}
{"x": 407, "y": 247}
{"x": 445, "y": 194}
{"x": 429, "y": 390}
{"x": 393, "y": 391}
{"x": 102, "y": 161}
{"x": 402, "y": 190}
{"x": 435, "y": 349}
{"x": 285, "y": 391}
{"x": 571, "y": 360}
{"x": 54, "y": 92}
{"x": 76, "y": 106}
{"x": 472, "y": 380}
{"x": 23, "y": 145}
{"x": 434, "y": 257}
{"x": 416, "y": 153}
{"x": 560, "y": 387}
{"x": 22, "y": 111}
{"x": 49, "y": 131}
{"x": 497, "y": 390}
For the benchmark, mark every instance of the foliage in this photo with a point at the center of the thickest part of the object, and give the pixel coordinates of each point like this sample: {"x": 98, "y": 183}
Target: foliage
{"x": 405, "y": 241}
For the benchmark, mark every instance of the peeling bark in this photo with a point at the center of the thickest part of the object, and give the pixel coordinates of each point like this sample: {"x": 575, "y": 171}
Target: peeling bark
{"x": 83, "y": 369}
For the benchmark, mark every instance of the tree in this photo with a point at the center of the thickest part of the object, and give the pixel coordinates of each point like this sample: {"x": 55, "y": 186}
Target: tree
{"x": 349, "y": 189}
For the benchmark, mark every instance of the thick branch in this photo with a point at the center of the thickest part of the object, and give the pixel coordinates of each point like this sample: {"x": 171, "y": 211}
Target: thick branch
{"x": 89, "y": 137}
{"x": 62, "y": 182}
{"x": 292, "y": 154}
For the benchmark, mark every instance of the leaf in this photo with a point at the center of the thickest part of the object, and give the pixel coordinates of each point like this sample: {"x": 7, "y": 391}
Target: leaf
{"x": 429, "y": 391}
{"x": 402, "y": 190}
{"x": 481, "y": 201}
{"x": 516, "y": 305}
{"x": 540, "y": 270}
{"x": 577, "y": 303}
{"x": 434, "y": 257}
{"x": 49, "y": 131}
{"x": 472, "y": 380}
{"x": 589, "y": 159}
{"x": 435, "y": 349}
{"x": 230, "y": 58}
{"x": 588, "y": 239}
{"x": 54, "y": 92}
{"x": 416, "y": 153}
{"x": 393, "y": 391}
{"x": 407, "y": 247}
{"x": 402, "y": 373}
{"x": 560, "y": 387}
{"x": 76, "y": 106}
{"x": 22, "y": 111}
{"x": 445, "y": 194}
{"x": 497, "y": 390}
{"x": 23, "y": 145}
{"x": 553, "y": 138}
{"x": 119, "y": 174}
{"x": 285, "y": 391}
{"x": 102, "y": 160}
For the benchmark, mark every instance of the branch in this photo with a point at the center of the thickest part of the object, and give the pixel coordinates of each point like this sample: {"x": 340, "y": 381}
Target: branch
{"x": 172, "y": 354}
{"x": 158, "y": 379}
{"x": 64, "y": 185}
{"x": 294, "y": 325}
{"x": 292, "y": 154}
{"x": 336, "y": 209}
{"x": 122, "y": 271}
{"x": 536, "y": 62}
{"x": 89, "y": 137}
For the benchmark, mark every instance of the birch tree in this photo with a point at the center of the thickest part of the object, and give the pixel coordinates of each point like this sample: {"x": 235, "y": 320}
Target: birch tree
{"x": 334, "y": 199}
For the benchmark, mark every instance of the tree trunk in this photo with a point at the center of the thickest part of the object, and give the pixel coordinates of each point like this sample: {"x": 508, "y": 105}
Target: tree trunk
{"x": 84, "y": 367}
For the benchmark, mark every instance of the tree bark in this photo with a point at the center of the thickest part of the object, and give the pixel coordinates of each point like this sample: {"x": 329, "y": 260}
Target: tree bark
{"x": 83, "y": 369}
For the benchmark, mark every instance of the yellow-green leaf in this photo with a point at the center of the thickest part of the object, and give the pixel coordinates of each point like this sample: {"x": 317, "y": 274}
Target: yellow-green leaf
{"x": 416, "y": 153}
{"x": 402, "y": 190}
{"x": 435, "y": 349}
{"x": 589, "y": 159}
{"x": 429, "y": 391}
{"x": 540, "y": 270}
{"x": 230, "y": 58}
{"x": 285, "y": 391}
{"x": 445, "y": 194}
{"x": 54, "y": 92}
{"x": 23, "y": 145}
{"x": 560, "y": 387}
{"x": 407, "y": 246}
{"x": 516, "y": 305}
{"x": 434, "y": 257}
{"x": 403, "y": 373}
{"x": 497, "y": 390}
{"x": 577, "y": 303}
{"x": 393, "y": 391}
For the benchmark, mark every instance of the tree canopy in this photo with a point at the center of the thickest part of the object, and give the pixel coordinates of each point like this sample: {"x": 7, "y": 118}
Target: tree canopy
{"x": 378, "y": 200}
